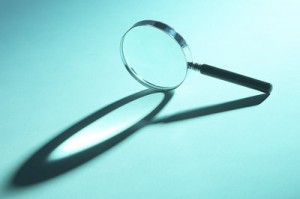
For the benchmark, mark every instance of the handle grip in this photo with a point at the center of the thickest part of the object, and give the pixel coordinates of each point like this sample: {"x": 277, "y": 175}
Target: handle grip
{"x": 232, "y": 77}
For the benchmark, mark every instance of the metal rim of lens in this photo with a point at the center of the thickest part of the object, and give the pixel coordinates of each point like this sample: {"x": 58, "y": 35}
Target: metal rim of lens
{"x": 174, "y": 35}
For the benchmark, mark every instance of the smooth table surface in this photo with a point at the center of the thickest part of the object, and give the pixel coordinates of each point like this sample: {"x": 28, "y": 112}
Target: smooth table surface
{"x": 60, "y": 71}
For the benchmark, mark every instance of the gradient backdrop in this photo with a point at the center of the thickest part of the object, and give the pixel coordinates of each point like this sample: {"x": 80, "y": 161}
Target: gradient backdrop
{"x": 60, "y": 62}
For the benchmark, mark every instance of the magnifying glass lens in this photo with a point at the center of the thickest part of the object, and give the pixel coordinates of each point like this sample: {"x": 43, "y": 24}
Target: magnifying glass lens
{"x": 154, "y": 58}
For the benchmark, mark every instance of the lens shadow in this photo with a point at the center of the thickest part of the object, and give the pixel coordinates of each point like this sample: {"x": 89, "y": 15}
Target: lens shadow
{"x": 37, "y": 168}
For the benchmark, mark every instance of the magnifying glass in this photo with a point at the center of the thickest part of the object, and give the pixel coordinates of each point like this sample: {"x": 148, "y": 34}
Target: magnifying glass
{"x": 159, "y": 58}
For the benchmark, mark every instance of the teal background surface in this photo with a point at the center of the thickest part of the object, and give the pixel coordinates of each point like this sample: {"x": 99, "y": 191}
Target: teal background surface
{"x": 60, "y": 62}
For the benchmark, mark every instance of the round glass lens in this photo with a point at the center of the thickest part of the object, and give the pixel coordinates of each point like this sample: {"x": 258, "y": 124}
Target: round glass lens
{"x": 154, "y": 58}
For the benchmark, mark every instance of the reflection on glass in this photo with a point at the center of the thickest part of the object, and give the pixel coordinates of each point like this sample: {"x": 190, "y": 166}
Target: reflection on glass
{"x": 156, "y": 56}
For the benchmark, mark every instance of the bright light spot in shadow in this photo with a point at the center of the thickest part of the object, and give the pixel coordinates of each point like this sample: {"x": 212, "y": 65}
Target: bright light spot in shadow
{"x": 107, "y": 126}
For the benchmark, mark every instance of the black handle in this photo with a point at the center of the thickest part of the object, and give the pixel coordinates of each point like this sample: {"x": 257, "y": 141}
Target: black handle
{"x": 232, "y": 77}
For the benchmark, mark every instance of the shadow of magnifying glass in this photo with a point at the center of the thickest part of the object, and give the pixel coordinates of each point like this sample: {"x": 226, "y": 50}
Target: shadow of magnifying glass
{"x": 46, "y": 163}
